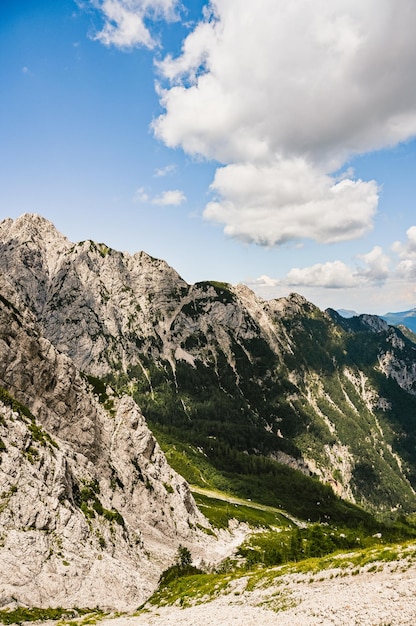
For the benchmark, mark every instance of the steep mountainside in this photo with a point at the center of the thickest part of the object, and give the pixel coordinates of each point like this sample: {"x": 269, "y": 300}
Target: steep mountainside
{"x": 244, "y": 381}
{"x": 90, "y": 511}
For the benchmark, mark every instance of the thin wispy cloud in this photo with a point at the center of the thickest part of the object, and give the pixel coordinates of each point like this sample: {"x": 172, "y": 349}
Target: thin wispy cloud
{"x": 125, "y": 21}
{"x": 164, "y": 171}
{"x": 170, "y": 197}
{"x": 141, "y": 195}
{"x": 174, "y": 197}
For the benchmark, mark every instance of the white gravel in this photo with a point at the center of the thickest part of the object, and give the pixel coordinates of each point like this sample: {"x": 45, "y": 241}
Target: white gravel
{"x": 332, "y": 598}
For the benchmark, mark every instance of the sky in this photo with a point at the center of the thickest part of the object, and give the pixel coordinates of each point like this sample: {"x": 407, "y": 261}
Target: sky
{"x": 269, "y": 143}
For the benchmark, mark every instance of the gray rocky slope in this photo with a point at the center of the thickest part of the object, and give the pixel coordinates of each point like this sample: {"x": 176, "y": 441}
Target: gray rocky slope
{"x": 328, "y": 396}
{"x": 90, "y": 511}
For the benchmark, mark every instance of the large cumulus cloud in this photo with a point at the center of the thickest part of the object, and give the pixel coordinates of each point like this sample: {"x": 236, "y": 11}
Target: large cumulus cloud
{"x": 282, "y": 94}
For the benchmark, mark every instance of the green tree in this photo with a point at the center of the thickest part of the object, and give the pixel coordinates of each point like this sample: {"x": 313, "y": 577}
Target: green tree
{"x": 183, "y": 556}
{"x": 296, "y": 545}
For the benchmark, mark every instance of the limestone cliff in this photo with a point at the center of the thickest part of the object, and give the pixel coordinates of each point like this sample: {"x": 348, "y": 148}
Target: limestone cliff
{"x": 90, "y": 511}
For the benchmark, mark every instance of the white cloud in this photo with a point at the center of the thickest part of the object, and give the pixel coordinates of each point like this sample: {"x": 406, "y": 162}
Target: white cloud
{"x": 377, "y": 270}
{"x": 335, "y": 275}
{"x": 141, "y": 195}
{"x": 282, "y": 94}
{"x": 406, "y": 269}
{"x": 408, "y": 249}
{"x": 125, "y": 21}
{"x": 174, "y": 197}
{"x": 411, "y": 240}
{"x": 164, "y": 171}
{"x": 266, "y": 281}
{"x": 339, "y": 285}
{"x": 290, "y": 199}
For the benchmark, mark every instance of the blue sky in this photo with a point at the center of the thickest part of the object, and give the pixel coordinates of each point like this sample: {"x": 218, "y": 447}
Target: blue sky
{"x": 271, "y": 144}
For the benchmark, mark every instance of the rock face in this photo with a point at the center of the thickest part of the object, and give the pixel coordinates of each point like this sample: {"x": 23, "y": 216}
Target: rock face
{"x": 93, "y": 303}
{"x": 90, "y": 511}
{"x": 330, "y": 396}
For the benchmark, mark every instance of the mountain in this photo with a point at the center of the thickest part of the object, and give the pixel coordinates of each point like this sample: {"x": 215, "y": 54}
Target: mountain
{"x": 347, "y": 313}
{"x": 274, "y": 400}
{"x": 407, "y": 332}
{"x": 90, "y": 510}
{"x": 214, "y": 366}
{"x": 404, "y": 318}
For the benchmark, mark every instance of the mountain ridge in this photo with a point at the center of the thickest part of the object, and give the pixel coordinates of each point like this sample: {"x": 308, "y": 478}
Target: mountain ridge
{"x": 278, "y": 400}
{"x": 134, "y": 321}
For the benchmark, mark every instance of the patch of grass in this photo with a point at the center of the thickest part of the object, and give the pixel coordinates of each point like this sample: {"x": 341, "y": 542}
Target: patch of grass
{"x": 5, "y": 497}
{"x": 186, "y": 459}
{"x": 39, "y": 435}
{"x": 388, "y": 555}
{"x": 220, "y": 512}
{"x": 114, "y": 516}
{"x": 185, "y": 584}
{"x": 99, "y": 388}
{"x": 349, "y": 562}
{"x": 87, "y": 500}
{"x": 281, "y": 601}
{"x": 35, "y": 614}
{"x": 297, "y": 544}
{"x": 191, "y": 589}
{"x": 8, "y": 400}
{"x": 205, "y": 530}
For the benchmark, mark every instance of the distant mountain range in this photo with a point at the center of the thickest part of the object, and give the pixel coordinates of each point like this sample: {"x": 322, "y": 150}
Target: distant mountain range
{"x": 347, "y": 313}
{"x": 403, "y": 320}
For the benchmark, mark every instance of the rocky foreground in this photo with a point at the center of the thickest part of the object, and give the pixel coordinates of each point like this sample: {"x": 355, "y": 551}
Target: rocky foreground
{"x": 378, "y": 595}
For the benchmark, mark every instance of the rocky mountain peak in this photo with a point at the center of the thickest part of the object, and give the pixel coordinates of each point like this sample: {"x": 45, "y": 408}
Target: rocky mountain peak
{"x": 34, "y": 228}
{"x": 294, "y": 304}
{"x": 375, "y": 323}
{"x": 32, "y": 247}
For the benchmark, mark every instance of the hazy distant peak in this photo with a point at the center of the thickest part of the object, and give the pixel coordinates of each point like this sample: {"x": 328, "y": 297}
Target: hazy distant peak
{"x": 347, "y": 313}
{"x": 407, "y": 318}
